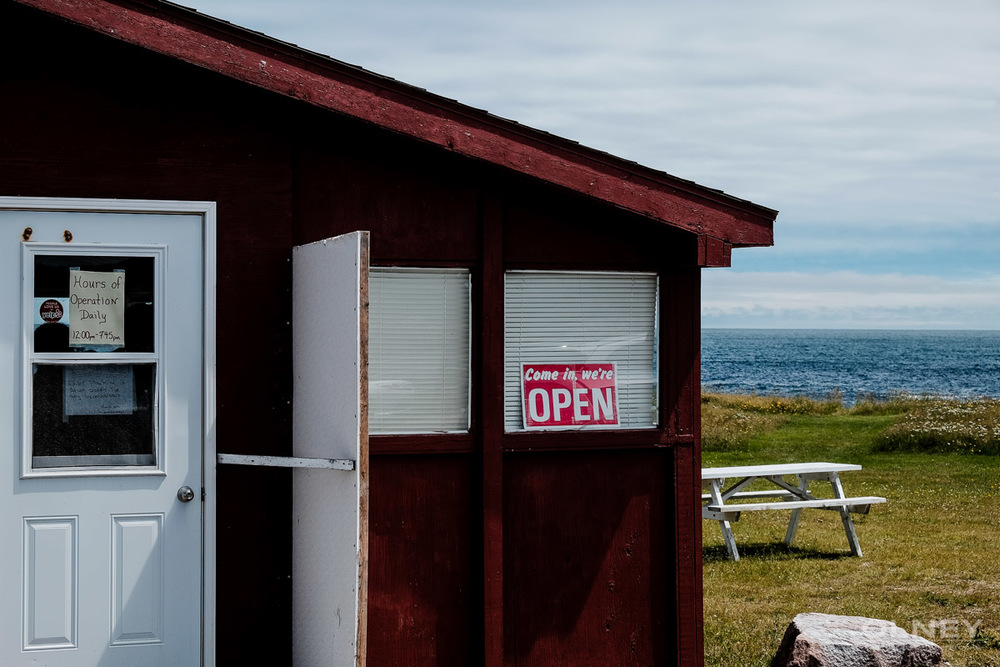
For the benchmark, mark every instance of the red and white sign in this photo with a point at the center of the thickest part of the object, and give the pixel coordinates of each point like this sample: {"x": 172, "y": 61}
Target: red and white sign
{"x": 569, "y": 395}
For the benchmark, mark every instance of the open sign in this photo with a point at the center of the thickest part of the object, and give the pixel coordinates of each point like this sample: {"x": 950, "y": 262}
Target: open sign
{"x": 569, "y": 395}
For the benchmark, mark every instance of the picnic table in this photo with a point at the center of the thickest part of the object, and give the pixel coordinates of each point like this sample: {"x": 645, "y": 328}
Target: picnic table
{"x": 794, "y": 496}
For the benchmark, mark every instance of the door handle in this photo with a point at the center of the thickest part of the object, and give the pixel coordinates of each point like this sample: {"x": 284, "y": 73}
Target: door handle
{"x": 185, "y": 494}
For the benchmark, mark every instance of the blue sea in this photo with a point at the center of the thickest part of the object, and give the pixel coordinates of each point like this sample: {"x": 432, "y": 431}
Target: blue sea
{"x": 879, "y": 363}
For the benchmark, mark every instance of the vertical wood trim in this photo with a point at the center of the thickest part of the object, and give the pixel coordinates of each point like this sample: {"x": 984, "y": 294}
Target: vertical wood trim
{"x": 364, "y": 262}
{"x": 209, "y": 414}
{"x": 713, "y": 252}
{"x": 695, "y": 503}
{"x": 668, "y": 352}
{"x": 690, "y": 649}
{"x": 492, "y": 429}
{"x": 678, "y": 345}
{"x": 687, "y": 481}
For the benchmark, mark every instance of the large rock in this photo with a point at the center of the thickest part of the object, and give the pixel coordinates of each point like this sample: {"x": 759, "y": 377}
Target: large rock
{"x": 825, "y": 640}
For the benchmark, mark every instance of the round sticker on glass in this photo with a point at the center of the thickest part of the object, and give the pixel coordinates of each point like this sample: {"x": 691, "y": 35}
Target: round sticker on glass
{"x": 50, "y": 311}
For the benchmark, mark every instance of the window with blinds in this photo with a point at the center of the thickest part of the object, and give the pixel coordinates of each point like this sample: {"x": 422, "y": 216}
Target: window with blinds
{"x": 418, "y": 350}
{"x": 588, "y": 320}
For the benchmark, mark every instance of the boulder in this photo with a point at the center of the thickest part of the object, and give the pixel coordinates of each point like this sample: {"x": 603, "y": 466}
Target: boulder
{"x": 825, "y": 640}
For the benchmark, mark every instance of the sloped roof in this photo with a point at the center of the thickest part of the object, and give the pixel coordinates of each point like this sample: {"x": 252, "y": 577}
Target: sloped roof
{"x": 722, "y": 220}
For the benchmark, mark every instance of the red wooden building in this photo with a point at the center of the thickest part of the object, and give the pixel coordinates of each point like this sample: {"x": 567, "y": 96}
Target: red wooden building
{"x": 485, "y": 537}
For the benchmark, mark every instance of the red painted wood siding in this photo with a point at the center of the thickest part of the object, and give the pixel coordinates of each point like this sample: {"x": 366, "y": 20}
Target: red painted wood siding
{"x": 421, "y": 515}
{"x": 585, "y": 559}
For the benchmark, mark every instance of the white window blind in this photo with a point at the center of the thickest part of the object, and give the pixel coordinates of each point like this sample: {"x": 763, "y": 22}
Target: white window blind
{"x": 569, "y": 317}
{"x": 418, "y": 350}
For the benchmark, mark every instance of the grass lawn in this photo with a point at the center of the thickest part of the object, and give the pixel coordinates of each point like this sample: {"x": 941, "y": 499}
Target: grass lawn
{"x": 931, "y": 556}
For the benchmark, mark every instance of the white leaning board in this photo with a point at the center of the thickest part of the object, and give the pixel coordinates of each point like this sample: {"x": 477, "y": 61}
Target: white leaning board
{"x": 330, "y": 421}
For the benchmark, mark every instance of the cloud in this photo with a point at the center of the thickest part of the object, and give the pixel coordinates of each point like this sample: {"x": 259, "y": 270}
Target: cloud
{"x": 848, "y": 300}
{"x": 842, "y": 110}
{"x": 859, "y": 109}
{"x": 951, "y": 248}
{"x": 874, "y": 127}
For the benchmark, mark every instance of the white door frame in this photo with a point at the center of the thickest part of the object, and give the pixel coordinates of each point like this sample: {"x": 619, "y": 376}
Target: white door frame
{"x": 207, "y": 210}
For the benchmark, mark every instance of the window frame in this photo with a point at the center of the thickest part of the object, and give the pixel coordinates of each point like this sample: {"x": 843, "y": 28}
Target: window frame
{"x": 433, "y": 435}
{"x": 30, "y": 358}
{"x": 606, "y": 430}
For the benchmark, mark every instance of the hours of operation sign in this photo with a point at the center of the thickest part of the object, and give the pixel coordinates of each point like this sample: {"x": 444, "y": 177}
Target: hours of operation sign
{"x": 569, "y": 395}
{"x": 96, "y": 308}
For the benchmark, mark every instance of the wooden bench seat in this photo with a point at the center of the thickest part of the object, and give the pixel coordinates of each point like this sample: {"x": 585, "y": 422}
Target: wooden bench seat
{"x": 770, "y": 493}
{"x": 857, "y": 505}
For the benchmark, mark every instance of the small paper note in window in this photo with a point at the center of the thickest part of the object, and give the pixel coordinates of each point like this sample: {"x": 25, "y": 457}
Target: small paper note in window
{"x": 98, "y": 390}
{"x": 96, "y": 308}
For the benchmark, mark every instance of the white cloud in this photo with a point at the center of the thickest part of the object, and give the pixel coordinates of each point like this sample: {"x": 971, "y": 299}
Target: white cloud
{"x": 853, "y": 108}
{"x": 848, "y": 300}
{"x": 872, "y": 126}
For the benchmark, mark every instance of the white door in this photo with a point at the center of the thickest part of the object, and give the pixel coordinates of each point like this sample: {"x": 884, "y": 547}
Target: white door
{"x": 101, "y": 436}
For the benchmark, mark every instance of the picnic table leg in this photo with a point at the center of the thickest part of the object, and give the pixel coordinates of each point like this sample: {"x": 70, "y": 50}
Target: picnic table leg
{"x": 845, "y": 516}
{"x": 727, "y": 529}
{"x": 793, "y": 522}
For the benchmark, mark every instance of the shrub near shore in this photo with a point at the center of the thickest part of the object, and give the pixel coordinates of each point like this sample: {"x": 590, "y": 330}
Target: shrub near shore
{"x": 731, "y": 421}
{"x": 946, "y": 426}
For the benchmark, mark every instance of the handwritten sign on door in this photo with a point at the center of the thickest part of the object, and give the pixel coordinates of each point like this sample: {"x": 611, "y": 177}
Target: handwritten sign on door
{"x": 96, "y": 308}
{"x": 99, "y": 390}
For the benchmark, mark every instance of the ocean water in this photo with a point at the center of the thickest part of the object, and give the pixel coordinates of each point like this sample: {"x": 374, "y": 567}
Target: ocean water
{"x": 857, "y": 363}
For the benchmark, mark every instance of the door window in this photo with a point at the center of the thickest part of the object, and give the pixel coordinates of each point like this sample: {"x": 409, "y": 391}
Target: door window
{"x": 92, "y": 317}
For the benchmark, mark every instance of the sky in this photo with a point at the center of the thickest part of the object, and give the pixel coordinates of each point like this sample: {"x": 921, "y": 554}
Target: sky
{"x": 873, "y": 127}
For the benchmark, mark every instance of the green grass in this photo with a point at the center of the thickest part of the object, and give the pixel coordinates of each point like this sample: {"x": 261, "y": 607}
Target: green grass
{"x": 931, "y": 553}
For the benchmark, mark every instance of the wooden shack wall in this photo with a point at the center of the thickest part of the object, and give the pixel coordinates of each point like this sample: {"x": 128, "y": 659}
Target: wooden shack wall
{"x": 484, "y": 548}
